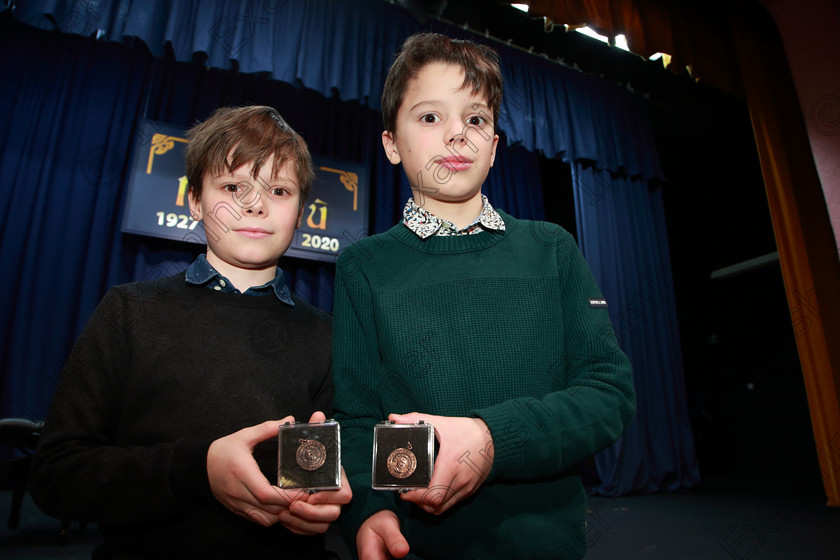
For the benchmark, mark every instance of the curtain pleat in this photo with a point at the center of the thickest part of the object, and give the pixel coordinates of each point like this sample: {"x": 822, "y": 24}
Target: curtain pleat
{"x": 345, "y": 49}
{"x": 622, "y": 233}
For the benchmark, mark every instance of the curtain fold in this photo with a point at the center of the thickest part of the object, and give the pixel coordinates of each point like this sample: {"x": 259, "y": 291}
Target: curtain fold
{"x": 547, "y": 107}
{"x": 565, "y": 113}
{"x": 622, "y": 234}
{"x": 297, "y": 42}
{"x": 63, "y": 150}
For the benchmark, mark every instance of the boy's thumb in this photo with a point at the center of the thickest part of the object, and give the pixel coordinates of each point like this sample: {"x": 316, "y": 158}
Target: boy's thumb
{"x": 268, "y": 429}
{"x": 410, "y": 418}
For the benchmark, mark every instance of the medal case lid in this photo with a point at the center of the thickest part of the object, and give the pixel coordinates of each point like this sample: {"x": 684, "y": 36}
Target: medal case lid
{"x": 309, "y": 456}
{"x": 403, "y": 456}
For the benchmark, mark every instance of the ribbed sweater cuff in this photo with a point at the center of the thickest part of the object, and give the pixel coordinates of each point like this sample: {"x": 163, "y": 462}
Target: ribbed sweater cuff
{"x": 188, "y": 471}
{"x": 507, "y": 441}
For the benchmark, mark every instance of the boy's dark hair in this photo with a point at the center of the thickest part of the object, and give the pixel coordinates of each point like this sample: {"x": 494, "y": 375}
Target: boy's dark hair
{"x": 479, "y": 62}
{"x": 234, "y": 136}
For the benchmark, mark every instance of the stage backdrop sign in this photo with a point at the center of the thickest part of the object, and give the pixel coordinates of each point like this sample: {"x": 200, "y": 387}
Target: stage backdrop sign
{"x": 335, "y": 214}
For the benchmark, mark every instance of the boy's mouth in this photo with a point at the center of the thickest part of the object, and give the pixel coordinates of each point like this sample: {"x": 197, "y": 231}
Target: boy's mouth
{"x": 455, "y": 163}
{"x": 252, "y": 232}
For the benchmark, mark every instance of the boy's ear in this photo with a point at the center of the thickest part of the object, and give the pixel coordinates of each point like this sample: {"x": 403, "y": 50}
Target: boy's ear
{"x": 300, "y": 217}
{"x": 493, "y": 149}
{"x": 390, "y": 145}
{"x": 195, "y": 207}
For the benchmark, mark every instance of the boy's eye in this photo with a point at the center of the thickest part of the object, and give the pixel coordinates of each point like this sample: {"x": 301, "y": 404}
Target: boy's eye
{"x": 429, "y": 118}
{"x": 231, "y": 187}
{"x": 475, "y": 120}
{"x": 278, "y": 191}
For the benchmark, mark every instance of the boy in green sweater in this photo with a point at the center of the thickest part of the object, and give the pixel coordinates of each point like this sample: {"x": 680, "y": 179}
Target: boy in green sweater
{"x": 163, "y": 428}
{"x": 490, "y": 328}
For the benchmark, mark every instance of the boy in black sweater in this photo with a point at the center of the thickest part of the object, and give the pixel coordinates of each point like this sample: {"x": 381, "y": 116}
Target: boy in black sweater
{"x": 163, "y": 427}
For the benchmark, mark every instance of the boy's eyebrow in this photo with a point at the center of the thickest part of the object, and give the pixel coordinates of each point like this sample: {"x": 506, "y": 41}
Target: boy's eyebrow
{"x": 228, "y": 175}
{"x": 436, "y": 103}
{"x": 222, "y": 175}
{"x": 284, "y": 181}
{"x": 225, "y": 176}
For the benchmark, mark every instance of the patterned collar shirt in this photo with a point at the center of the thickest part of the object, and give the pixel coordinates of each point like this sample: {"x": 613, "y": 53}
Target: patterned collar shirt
{"x": 425, "y": 224}
{"x": 202, "y": 273}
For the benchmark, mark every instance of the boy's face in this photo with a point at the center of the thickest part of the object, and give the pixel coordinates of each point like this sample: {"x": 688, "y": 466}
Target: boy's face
{"x": 444, "y": 138}
{"x": 249, "y": 223}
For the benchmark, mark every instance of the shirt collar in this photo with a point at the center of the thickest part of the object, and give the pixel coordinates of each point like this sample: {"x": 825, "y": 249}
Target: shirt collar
{"x": 202, "y": 273}
{"x": 425, "y": 224}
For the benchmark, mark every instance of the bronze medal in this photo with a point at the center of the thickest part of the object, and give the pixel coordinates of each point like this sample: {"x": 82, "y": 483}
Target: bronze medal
{"x": 402, "y": 462}
{"x": 311, "y": 454}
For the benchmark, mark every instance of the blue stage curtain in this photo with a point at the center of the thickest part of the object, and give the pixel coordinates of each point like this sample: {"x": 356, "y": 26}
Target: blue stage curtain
{"x": 325, "y": 44}
{"x": 63, "y": 148}
{"x": 76, "y": 103}
{"x": 622, "y": 233}
{"x": 345, "y": 48}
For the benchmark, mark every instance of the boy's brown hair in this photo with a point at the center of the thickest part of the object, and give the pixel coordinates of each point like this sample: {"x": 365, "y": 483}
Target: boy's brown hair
{"x": 480, "y": 64}
{"x": 234, "y": 136}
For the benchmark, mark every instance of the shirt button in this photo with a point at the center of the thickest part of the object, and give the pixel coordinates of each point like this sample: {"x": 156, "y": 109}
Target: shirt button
{"x": 222, "y": 283}
{"x": 217, "y": 288}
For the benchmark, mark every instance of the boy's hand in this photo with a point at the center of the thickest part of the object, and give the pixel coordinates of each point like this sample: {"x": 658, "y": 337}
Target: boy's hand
{"x": 379, "y": 537}
{"x": 237, "y": 482}
{"x": 464, "y": 460}
{"x": 311, "y": 514}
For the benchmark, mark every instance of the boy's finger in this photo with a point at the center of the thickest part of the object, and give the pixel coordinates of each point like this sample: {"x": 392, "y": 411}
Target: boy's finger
{"x": 261, "y": 517}
{"x": 415, "y": 417}
{"x": 341, "y": 496}
{"x": 380, "y": 538}
{"x": 299, "y": 526}
{"x": 444, "y": 491}
{"x": 395, "y": 542}
{"x": 285, "y": 497}
{"x": 315, "y": 513}
{"x": 317, "y": 417}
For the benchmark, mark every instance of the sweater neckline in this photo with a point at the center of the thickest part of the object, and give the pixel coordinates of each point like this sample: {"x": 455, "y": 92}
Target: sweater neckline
{"x": 454, "y": 243}
{"x": 238, "y": 301}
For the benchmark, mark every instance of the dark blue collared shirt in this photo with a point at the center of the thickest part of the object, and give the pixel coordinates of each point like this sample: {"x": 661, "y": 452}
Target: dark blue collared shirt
{"x": 202, "y": 273}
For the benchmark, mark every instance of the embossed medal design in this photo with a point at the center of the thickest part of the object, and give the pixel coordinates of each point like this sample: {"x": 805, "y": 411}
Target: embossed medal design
{"x": 402, "y": 462}
{"x": 311, "y": 454}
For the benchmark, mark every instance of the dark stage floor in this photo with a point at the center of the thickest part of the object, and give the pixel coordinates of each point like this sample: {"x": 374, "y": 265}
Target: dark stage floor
{"x": 724, "y": 519}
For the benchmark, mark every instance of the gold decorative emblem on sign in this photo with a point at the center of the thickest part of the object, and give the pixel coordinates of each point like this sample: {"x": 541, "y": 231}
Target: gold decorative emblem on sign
{"x": 161, "y": 143}
{"x": 311, "y": 454}
{"x": 350, "y": 181}
{"x": 402, "y": 462}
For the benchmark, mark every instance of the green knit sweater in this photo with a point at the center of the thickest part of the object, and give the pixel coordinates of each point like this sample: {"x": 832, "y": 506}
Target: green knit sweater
{"x": 505, "y": 326}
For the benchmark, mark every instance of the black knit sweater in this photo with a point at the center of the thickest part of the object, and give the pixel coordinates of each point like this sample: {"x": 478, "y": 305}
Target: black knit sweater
{"x": 160, "y": 371}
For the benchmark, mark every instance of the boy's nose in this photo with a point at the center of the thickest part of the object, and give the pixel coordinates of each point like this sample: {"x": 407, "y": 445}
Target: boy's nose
{"x": 453, "y": 133}
{"x": 455, "y": 138}
{"x": 257, "y": 207}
